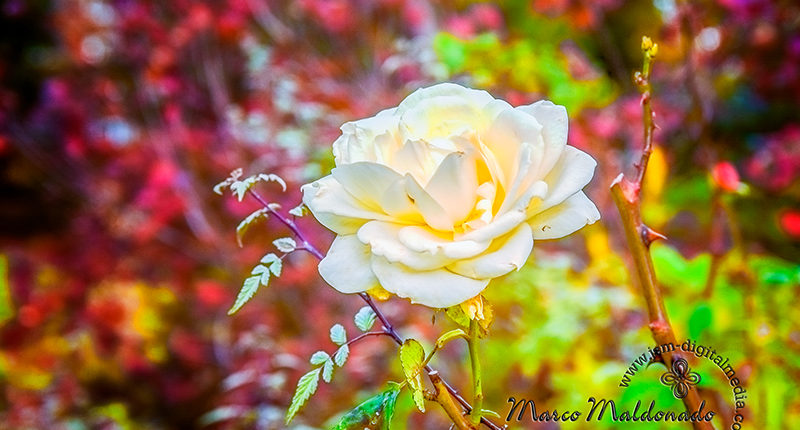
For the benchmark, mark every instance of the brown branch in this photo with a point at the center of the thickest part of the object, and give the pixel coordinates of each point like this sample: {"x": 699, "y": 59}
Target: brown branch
{"x": 443, "y": 397}
{"x": 638, "y": 236}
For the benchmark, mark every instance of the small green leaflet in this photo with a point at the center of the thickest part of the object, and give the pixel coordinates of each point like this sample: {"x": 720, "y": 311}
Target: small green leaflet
{"x": 263, "y": 271}
{"x": 285, "y": 244}
{"x": 365, "y": 318}
{"x": 248, "y": 222}
{"x": 374, "y": 413}
{"x": 319, "y": 357}
{"x": 240, "y": 188}
{"x": 274, "y": 262}
{"x": 338, "y": 335}
{"x": 341, "y": 355}
{"x": 327, "y": 370}
{"x": 249, "y": 288}
{"x": 450, "y": 335}
{"x": 412, "y": 355}
{"x": 306, "y": 386}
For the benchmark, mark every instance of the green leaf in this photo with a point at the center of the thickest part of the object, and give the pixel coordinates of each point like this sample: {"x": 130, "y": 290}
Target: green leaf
{"x": 458, "y": 316}
{"x": 263, "y": 271}
{"x": 341, "y": 355}
{"x": 306, "y": 386}
{"x": 239, "y": 188}
{"x": 267, "y": 177}
{"x": 374, "y": 413}
{"x": 327, "y": 370}
{"x": 412, "y": 355}
{"x": 365, "y": 318}
{"x": 338, "y": 335}
{"x": 248, "y": 222}
{"x": 285, "y": 244}
{"x": 319, "y": 357}
{"x": 274, "y": 263}
{"x": 249, "y": 289}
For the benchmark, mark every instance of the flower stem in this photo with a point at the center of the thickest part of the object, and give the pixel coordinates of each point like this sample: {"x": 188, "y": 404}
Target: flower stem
{"x": 477, "y": 389}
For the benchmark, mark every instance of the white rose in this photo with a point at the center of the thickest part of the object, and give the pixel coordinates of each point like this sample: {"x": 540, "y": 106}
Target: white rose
{"x": 436, "y": 197}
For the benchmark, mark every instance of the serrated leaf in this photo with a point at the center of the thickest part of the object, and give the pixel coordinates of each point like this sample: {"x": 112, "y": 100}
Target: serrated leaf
{"x": 218, "y": 189}
{"x": 272, "y": 177}
{"x": 306, "y": 386}
{"x": 248, "y": 222}
{"x": 299, "y": 210}
{"x": 285, "y": 244}
{"x": 270, "y": 258}
{"x": 249, "y": 288}
{"x": 263, "y": 272}
{"x": 338, "y": 335}
{"x": 341, "y": 355}
{"x": 327, "y": 370}
{"x": 319, "y": 357}
{"x": 374, "y": 413}
{"x": 276, "y": 267}
{"x": 239, "y": 188}
{"x": 412, "y": 355}
{"x": 365, "y": 318}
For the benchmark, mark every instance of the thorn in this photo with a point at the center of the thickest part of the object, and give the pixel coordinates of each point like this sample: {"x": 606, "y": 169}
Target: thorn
{"x": 649, "y": 235}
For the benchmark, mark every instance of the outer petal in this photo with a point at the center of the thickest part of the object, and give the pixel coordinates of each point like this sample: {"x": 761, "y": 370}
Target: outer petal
{"x": 555, "y": 128}
{"x": 435, "y": 288}
{"x": 367, "y": 139}
{"x": 335, "y": 208}
{"x": 571, "y": 173}
{"x": 477, "y": 97}
{"x": 346, "y": 267}
{"x": 366, "y": 181}
{"x": 566, "y": 218}
{"x": 505, "y": 255}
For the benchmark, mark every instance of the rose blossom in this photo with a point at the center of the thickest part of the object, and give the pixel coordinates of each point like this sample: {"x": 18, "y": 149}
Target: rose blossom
{"x": 434, "y": 198}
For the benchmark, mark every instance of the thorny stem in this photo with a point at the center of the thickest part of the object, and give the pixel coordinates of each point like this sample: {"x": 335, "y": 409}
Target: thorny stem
{"x": 442, "y": 397}
{"x": 474, "y": 359}
{"x": 387, "y": 326}
{"x": 639, "y": 236}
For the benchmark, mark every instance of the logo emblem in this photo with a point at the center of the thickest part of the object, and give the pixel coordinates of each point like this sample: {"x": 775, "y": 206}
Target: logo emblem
{"x": 680, "y": 378}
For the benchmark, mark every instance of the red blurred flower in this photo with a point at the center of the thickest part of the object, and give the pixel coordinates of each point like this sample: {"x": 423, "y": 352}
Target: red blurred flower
{"x": 725, "y": 176}
{"x": 790, "y": 222}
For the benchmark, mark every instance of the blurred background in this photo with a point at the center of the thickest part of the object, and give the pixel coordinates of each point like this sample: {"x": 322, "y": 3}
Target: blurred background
{"x": 118, "y": 263}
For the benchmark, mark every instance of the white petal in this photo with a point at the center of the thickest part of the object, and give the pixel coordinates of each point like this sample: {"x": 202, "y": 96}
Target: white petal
{"x": 555, "y": 128}
{"x": 367, "y": 139}
{"x": 571, "y": 173}
{"x": 433, "y": 213}
{"x": 366, "y": 181}
{"x": 335, "y": 208}
{"x": 346, "y": 267}
{"x": 505, "y": 254}
{"x": 383, "y": 240}
{"x": 565, "y": 218}
{"x": 454, "y": 185}
{"x": 506, "y": 138}
{"x": 421, "y": 239}
{"x": 436, "y": 288}
{"x": 478, "y": 97}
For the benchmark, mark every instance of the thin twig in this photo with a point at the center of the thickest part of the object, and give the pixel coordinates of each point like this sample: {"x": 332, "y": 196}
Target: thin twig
{"x": 442, "y": 396}
{"x": 387, "y": 326}
{"x": 638, "y": 235}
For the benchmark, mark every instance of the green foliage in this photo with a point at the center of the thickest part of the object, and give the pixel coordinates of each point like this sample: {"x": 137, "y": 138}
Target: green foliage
{"x": 527, "y": 65}
{"x": 271, "y": 265}
{"x": 6, "y": 307}
{"x": 306, "y": 387}
{"x": 412, "y": 357}
{"x": 338, "y": 335}
{"x": 374, "y": 413}
{"x": 701, "y": 319}
{"x": 247, "y": 292}
{"x": 365, "y": 318}
{"x": 450, "y": 335}
{"x": 299, "y": 210}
